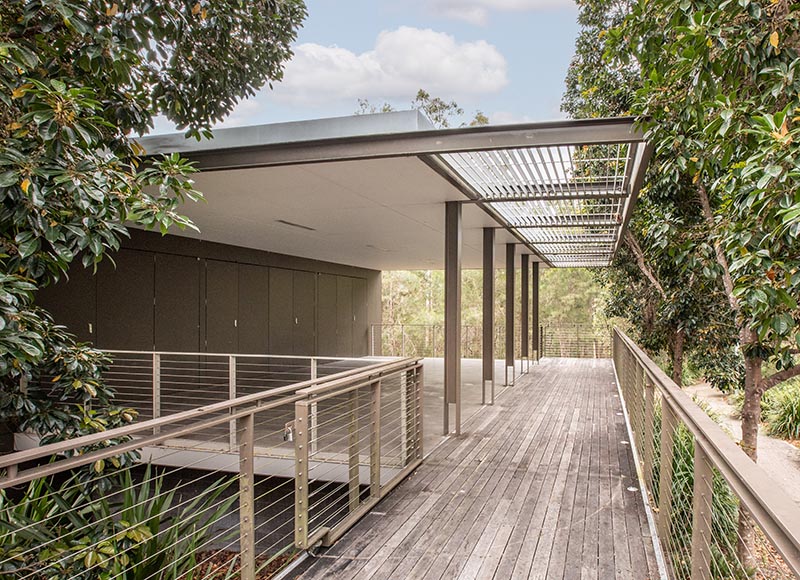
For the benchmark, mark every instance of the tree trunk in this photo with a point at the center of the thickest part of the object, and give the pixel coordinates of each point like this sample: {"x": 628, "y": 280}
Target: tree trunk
{"x": 678, "y": 339}
{"x": 751, "y": 417}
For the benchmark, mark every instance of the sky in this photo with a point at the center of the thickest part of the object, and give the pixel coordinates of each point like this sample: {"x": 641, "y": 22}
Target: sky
{"x": 506, "y": 58}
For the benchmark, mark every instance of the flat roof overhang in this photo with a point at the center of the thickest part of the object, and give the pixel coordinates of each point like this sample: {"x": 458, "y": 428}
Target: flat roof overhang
{"x": 369, "y": 190}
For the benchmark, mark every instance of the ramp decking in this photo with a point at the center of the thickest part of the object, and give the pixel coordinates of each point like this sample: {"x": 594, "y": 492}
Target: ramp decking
{"x": 542, "y": 485}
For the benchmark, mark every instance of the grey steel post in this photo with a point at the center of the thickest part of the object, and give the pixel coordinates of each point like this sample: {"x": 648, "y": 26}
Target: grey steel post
{"x": 312, "y": 418}
{"x": 452, "y": 314}
{"x": 247, "y": 534}
{"x": 375, "y": 442}
{"x": 420, "y": 387}
{"x": 510, "y": 366}
{"x": 488, "y": 314}
{"x": 524, "y": 314}
{"x": 649, "y": 443}
{"x": 156, "y": 390}
{"x": 232, "y": 395}
{"x": 301, "y": 474}
{"x": 701, "y": 517}
{"x": 353, "y": 455}
{"x": 538, "y": 337}
{"x": 668, "y": 425}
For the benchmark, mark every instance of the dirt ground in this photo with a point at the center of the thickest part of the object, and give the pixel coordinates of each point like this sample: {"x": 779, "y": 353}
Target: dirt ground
{"x": 781, "y": 459}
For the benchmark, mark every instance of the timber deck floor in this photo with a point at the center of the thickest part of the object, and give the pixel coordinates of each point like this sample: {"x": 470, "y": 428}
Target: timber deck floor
{"x": 541, "y": 485}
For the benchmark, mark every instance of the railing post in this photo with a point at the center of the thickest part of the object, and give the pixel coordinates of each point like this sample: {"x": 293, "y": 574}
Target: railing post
{"x": 312, "y": 419}
{"x": 665, "y": 472}
{"x": 301, "y": 474}
{"x": 419, "y": 410}
{"x": 353, "y": 455}
{"x": 405, "y": 416}
{"x": 156, "y": 390}
{"x": 649, "y": 443}
{"x": 701, "y": 518}
{"x": 247, "y": 540}
{"x": 372, "y": 340}
{"x": 232, "y": 395}
{"x": 375, "y": 442}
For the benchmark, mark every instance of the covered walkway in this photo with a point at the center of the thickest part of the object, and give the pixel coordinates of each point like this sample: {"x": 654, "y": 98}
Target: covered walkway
{"x": 542, "y": 485}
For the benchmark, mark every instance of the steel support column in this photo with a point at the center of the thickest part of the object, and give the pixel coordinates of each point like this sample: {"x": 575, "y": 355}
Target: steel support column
{"x": 452, "y": 315}
{"x": 535, "y": 311}
{"x": 510, "y": 365}
{"x": 488, "y": 315}
{"x": 524, "y": 313}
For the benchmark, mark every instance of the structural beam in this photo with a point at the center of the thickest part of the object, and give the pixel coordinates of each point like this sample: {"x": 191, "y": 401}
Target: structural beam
{"x": 510, "y": 366}
{"x": 524, "y": 313}
{"x": 452, "y": 315}
{"x": 488, "y": 314}
{"x": 535, "y": 312}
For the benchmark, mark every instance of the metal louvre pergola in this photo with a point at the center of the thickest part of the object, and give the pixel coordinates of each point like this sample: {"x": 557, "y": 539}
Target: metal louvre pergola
{"x": 569, "y": 202}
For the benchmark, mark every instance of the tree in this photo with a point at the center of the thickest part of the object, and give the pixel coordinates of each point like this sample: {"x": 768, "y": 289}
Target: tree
{"x": 79, "y": 79}
{"x": 719, "y": 99}
{"x": 440, "y": 112}
{"x": 653, "y": 282}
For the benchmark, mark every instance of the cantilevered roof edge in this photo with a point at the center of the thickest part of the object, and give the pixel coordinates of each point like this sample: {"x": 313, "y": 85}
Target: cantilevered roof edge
{"x": 238, "y": 153}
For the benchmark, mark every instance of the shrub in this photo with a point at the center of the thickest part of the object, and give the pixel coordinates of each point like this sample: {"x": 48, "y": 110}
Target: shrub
{"x": 783, "y": 411}
{"x": 141, "y": 531}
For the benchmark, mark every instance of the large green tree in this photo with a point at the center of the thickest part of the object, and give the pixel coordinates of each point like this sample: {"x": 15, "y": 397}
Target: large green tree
{"x": 719, "y": 99}
{"x": 78, "y": 81}
{"x": 654, "y": 283}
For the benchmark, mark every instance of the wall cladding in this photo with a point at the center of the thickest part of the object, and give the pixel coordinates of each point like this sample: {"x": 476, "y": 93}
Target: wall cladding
{"x": 176, "y": 294}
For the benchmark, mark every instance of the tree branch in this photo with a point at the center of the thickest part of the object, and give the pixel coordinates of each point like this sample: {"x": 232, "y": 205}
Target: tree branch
{"x": 727, "y": 282}
{"x": 631, "y": 242}
{"x": 779, "y": 377}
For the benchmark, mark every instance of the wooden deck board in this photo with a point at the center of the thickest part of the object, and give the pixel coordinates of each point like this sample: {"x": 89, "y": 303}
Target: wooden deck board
{"x": 540, "y": 486}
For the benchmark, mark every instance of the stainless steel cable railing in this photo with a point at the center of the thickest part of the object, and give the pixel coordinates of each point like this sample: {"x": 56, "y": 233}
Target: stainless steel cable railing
{"x": 232, "y": 487}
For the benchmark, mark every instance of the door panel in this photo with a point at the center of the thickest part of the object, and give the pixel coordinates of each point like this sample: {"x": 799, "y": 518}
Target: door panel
{"x": 73, "y": 302}
{"x": 304, "y": 310}
{"x": 326, "y": 315}
{"x": 344, "y": 316}
{"x": 360, "y": 326}
{"x": 177, "y": 305}
{"x": 253, "y": 309}
{"x": 125, "y": 297}
{"x": 221, "y": 306}
{"x": 281, "y": 318}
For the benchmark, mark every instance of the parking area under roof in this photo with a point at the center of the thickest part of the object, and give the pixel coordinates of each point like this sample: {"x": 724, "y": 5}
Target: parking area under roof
{"x": 369, "y": 190}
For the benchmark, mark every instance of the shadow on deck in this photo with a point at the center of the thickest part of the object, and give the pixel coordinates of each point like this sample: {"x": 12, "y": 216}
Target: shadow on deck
{"x": 542, "y": 485}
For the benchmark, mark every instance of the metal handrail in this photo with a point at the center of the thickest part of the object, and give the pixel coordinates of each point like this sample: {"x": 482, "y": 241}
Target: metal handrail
{"x": 771, "y": 508}
{"x": 394, "y": 390}
{"x": 151, "y": 424}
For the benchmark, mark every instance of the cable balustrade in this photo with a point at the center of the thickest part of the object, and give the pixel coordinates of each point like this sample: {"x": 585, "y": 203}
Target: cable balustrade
{"x": 717, "y": 513}
{"x": 235, "y": 487}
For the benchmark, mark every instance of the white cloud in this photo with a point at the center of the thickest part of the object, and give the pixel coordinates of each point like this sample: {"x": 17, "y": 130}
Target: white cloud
{"x": 507, "y": 118}
{"x": 402, "y": 61}
{"x": 477, "y": 11}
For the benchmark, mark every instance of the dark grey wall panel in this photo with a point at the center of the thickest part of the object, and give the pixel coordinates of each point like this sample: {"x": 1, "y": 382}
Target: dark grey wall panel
{"x": 125, "y": 297}
{"x": 281, "y": 317}
{"x": 253, "y": 309}
{"x": 344, "y": 316}
{"x": 326, "y": 315}
{"x": 73, "y": 302}
{"x": 305, "y": 313}
{"x": 177, "y": 293}
{"x": 360, "y": 324}
{"x": 222, "y": 297}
